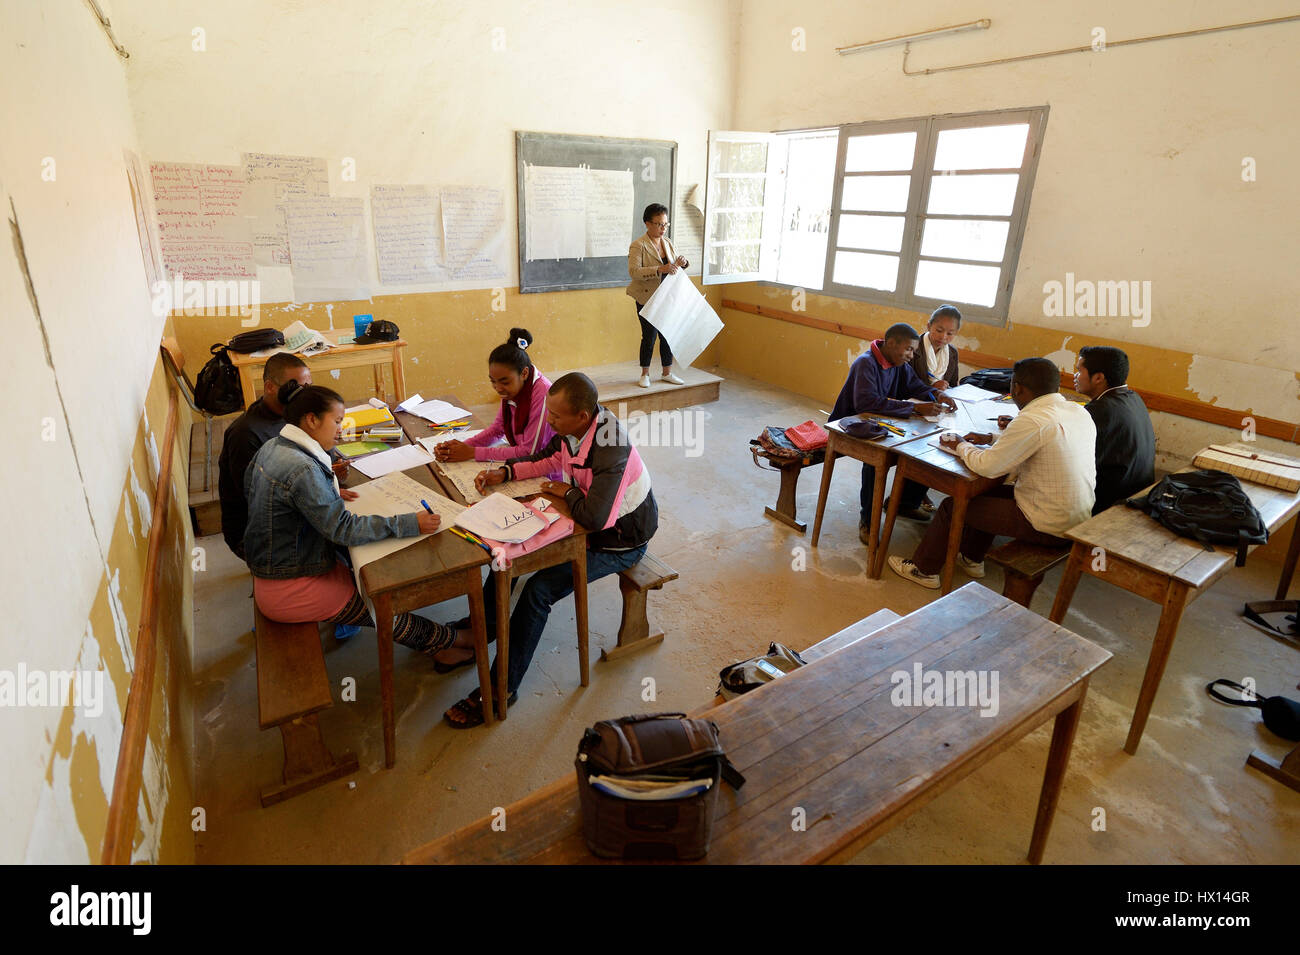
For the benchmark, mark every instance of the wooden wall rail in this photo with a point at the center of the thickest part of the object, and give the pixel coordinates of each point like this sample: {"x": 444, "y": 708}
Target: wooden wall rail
{"x": 1155, "y": 401}
{"x": 122, "y": 808}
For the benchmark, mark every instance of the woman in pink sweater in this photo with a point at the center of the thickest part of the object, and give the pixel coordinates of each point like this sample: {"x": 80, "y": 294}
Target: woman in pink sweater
{"x": 521, "y": 421}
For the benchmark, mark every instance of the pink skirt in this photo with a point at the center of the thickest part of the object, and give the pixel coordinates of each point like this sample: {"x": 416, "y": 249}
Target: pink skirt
{"x": 305, "y": 599}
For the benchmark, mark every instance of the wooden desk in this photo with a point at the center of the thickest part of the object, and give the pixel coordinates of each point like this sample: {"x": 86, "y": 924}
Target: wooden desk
{"x": 571, "y": 550}
{"x": 430, "y": 571}
{"x": 880, "y": 455}
{"x": 1139, "y": 555}
{"x": 341, "y": 356}
{"x": 946, "y": 473}
{"x": 828, "y": 738}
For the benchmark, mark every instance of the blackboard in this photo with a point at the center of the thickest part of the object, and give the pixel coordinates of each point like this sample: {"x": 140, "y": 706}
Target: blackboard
{"x": 653, "y": 166}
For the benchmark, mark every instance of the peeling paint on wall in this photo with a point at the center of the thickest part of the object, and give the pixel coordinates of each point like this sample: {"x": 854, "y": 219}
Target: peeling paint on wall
{"x": 1063, "y": 357}
{"x": 120, "y": 628}
{"x": 143, "y": 505}
{"x": 1271, "y": 392}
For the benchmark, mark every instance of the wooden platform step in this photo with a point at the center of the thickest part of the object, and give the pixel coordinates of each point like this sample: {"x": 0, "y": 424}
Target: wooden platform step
{"x": 205, "y": 505}
{"x": 620, "y": 393}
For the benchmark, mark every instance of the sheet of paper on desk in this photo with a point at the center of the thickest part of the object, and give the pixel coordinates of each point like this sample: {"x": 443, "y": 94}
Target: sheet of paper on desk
{"x": 389, "y": 496}
{"x": 502, "y": 519}
{"x": 434, "y": 439}
{"x": 462, "y": 474}
{"x": 412, "y": 402}
{"x": 398, "y": 459}
{"x": 437, "y": 411}
{"x": 970, "y": 393}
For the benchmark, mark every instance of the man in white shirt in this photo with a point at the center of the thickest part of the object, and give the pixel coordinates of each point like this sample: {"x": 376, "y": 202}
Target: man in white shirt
{"x": 1050, "y": 449}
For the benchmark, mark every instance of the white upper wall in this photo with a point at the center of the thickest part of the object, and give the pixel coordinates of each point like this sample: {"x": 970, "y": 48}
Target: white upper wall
{"x": 1140, "y": 174}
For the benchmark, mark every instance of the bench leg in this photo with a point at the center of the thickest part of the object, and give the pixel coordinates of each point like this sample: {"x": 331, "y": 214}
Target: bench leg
{"x": 308, "y": 763}
{"x": 1058, "y": 757}
{"x": 1020, "y": 588}
{"x": 785, "y": 501}
{"x": 1286, "y": 772}
{"x": 634, "y": 628}
{"x": 579, "y": 565}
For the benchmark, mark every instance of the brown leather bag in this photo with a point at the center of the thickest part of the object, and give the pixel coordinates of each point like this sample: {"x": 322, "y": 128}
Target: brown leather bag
{"x": 645, "y": 754}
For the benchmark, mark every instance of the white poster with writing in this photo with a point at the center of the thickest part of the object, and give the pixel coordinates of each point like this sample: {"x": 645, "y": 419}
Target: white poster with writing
{"x": 202, "y": 230}
{"x": 327, "y": 246}
{"x": 474, "y": 231}
{"x": 408, "y": 234}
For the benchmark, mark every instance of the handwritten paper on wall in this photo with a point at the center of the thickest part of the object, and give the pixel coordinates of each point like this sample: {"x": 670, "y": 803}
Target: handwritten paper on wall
{"x": 146, "y": 224}
{"x": 408, "y": 234}
{"x": 327, "y": 246}
{"x": 609, "y": 197}
{"x": 682, "y": 316}
{"x": 202, "y": 230}
{"x": 473, "y": 225}
{"x": 555, "y": 210}
{"x": 271, "y": 180}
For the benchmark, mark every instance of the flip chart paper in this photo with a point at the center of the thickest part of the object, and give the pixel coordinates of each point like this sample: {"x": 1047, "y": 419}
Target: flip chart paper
{"x": 408, "y": 234}
{"x": 202, "y": 230}
{"x": 682, "y": 316}
{"x": 271, "y": 180}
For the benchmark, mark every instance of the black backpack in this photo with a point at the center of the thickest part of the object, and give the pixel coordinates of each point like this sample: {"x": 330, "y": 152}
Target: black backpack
{"x": 1208, "y": 506}
{"x": 246, "y": 342}
{"x": 217, "y": 390}
{"x": 990, "y": 379}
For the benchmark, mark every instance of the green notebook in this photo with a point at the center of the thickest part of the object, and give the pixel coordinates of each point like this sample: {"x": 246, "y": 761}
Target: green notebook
{"x": 357, "y": 449}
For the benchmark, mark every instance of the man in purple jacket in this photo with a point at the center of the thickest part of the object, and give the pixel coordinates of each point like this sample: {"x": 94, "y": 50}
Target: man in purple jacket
{"x": 882, "y": 382}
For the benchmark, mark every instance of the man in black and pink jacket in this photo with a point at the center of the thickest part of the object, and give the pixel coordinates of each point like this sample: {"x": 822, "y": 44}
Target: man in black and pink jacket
{"x": 607, "y": 489}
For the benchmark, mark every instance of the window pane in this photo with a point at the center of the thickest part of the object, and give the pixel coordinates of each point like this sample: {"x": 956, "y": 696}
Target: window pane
{"x": 866, "y": 270}
{"x": 806, "y": 213}
{"x": 951, "y": 282}
{"x": 885, "y": 152}
{"x": 978, "y": 239}
{"x": 992, "y": 195}
{"x": 876, "y": 193}
{"x": 733, "y": 259}
{"x": 871, "y": 232}
{"x": 737, "y": 225}
{"x": 740, "y": 193}
{"x": 982, "y": 147}
{"x": 738, "y": 157}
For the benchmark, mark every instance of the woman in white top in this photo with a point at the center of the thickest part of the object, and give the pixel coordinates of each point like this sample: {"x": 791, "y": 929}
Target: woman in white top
{"x": 935, "y": 361}
{"x": 649, "y": 258}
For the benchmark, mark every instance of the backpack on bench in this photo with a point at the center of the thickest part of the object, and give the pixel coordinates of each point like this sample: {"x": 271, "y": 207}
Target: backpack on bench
{"x": 1208, "y": 506}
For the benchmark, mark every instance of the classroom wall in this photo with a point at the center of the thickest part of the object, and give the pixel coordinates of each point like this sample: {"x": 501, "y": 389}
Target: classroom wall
{"x": 87, "y": 405}
{"x": 1140, "y": 178}
{"x": 416, "y": 93}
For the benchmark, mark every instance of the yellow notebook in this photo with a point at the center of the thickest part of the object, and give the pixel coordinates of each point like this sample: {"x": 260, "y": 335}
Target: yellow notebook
{"x": 367, "y": 418}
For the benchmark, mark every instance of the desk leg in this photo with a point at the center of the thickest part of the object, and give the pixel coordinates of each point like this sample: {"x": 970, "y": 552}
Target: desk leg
{"x": 503, "y": 639}
{"x": 1058, "y": 757}
{"x": 246, "y": 385}
{"x": 1288, "y": 566}
{"x": 878, "y": 505}
{"x": 828, "y": 466}
{"x": 579, "y": 565}
{"x": 478, "y": 627}
{"x": 960, "y": 500}
{"x": 877, "y": 565}
{"x": 399, "y": 376}
{"x": 1069, "y": 581}
{"x": 379, "y": 382}
{"x": 384, "y": 634}
{"x": 1175, "y": 601}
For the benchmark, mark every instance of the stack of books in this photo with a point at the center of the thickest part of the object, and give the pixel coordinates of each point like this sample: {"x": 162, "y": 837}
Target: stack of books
{"x": 368, "y": 429}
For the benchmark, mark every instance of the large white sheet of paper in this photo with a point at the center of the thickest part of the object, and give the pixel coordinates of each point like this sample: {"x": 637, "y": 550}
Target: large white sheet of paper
{"x": 462, "y": 473}
{"x": 389, "y": 496}
{"x": 202, "y": 230}
{"x": 474, "y": 230}
{"x": 327, "y": 244}
{"x": 146, "y": 220}
{"x": 437, "y": 411}
{"x": 609, "y": 197}
{"x": 682, "y": 316}
{"x": 555, "y": 210}
{"x": 970, "y": 392}
{"x": 408, "y": 234}
{"x": 271, "y": 180}
{"x": 501, "y": 519}
{"x": 398, "y": 459}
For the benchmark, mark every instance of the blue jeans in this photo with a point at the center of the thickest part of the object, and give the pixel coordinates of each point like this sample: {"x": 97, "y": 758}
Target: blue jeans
{"x": 913, "y": 494}
{"x": 543, "y": 590}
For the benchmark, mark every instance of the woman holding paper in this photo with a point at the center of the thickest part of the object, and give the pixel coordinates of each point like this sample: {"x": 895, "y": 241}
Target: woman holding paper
{"x": 649, "y": 258}
{"x": 297, "y": 520}
{"x": 521, "y": 420}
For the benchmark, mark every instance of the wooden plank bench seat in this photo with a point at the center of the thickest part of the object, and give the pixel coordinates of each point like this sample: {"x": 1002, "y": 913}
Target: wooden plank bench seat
{"x": 292, "y": 687}
{"x": 785, "y": 510}
{"x": 1023, "y": 567}
{"x": 650, "y": 573}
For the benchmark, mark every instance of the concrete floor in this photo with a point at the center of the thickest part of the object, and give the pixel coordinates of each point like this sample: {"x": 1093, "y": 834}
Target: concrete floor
{"x": 1185, "y": 797}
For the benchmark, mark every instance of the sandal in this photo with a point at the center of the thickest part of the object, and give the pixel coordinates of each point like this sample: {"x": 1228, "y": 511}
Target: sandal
{"x": 472, "y": 709}
{"x": 452, "y": 667}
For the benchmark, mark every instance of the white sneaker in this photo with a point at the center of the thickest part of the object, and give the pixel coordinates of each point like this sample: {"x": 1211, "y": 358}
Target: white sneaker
{"x": 975, "y": 568}
{"x": 644, "y": 381}
{"x": 905, "y": 568}
{"x": 672, "y": 379}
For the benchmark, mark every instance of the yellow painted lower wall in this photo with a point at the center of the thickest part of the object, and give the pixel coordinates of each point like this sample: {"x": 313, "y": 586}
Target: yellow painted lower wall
{"x": 449, "y": 334}
{"x": 83, "y": 752}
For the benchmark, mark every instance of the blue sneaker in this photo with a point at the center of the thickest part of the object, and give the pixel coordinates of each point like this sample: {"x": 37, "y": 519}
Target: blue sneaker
{"x": 344, "y": 630}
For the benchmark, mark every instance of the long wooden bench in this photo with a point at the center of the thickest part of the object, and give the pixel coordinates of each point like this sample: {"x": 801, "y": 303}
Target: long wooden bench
{"x": 650, "y": 573}
{"x": 292, "y": 687}
{"x": 1023, "y": 567}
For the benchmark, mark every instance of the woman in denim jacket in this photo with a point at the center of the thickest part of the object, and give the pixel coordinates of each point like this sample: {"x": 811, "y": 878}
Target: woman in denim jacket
{"x": 296, "y": 521}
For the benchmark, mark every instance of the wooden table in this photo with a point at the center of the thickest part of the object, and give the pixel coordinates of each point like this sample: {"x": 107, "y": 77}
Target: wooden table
{"x": 880, "y": 455}
{"x": 920, "y": 461}
{"x": 828, "y": 739}
{"x": 1125, "y": 547}
{"x": 341, "y": 356}
{"x": 571, "y": 550}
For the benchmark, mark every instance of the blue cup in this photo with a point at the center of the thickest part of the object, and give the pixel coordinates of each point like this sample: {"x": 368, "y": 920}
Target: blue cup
{"x": 360, "y": 323}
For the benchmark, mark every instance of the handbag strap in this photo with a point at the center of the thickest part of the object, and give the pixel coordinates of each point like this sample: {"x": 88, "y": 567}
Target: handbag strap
{"x": 1210, "y": 689}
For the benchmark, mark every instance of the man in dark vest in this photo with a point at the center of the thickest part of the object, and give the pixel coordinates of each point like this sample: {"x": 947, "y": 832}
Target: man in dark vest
{"x": 1126, "y": 442}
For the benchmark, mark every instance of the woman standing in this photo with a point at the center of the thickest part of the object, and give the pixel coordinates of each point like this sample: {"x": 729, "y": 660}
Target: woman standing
{"x": 522, "y": 417}
{"x": 296, "y": 520}
{"x": 935, "y": 361}
{"x": 649, "y": 258}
